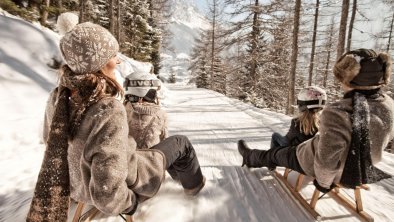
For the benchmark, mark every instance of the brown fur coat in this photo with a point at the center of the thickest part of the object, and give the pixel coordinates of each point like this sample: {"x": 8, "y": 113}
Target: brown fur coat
{"x": 105, "y": 168}
{"x": 329, "y": 148}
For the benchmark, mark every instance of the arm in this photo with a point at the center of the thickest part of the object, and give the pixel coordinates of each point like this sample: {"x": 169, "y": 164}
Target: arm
{"x": 164, "y": 133}
{"x": 49, "y": 114}
{"x": 107, "y": 152}
{"x": 293, "y": 131}
{"x": 335, "y": 137}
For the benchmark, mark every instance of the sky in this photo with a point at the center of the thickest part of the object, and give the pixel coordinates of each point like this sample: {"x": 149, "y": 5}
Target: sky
{"x": 212, "y": 122}
{"x": 201, "y": 5}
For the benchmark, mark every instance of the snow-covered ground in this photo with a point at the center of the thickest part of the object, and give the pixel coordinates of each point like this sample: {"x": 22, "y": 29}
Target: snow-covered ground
{"x": 212, "y": 121}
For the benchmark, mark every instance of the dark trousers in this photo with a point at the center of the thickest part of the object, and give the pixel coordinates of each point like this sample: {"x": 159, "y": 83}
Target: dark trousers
{"x": 285, "y": 157}
{"x": 182, "y": 162}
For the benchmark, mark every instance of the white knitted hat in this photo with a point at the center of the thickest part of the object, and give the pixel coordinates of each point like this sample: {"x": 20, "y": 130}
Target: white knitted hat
{"x": 88, "y": 47}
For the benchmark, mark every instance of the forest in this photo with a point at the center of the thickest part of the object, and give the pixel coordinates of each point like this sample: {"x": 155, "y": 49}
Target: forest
{"x": 265, "y": 51}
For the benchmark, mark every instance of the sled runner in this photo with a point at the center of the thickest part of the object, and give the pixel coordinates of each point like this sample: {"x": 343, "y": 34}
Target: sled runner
{"x": 90, "y": 214}
{"x": 354, "y": 204}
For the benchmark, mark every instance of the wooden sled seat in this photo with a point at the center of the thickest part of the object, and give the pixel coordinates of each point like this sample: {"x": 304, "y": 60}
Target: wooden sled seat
{"x": 354, "y": 204}
{"x": 90, "y": 214}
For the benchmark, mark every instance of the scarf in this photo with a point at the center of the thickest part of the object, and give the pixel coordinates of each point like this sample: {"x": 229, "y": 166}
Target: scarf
{"x": 51, "y": 195}
{"x": 358, "y": 166}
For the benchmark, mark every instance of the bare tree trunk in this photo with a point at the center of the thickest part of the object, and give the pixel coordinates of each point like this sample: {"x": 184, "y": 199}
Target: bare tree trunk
{"x": 390, "y": 35}
{"x": 213, "y": 42}
{"x": 255, "y": 36}
{"x": 81, "y": 11}
{"x": 118, "y": 21}
{"x": 342, "y": 28}
{"x": 328, "y": 48}
{"x": 294, "y": 54}
{"x": 44, "y": 12}
{"x": 111, "y": 16}
{"x": 349, "y": 35}
{"x": 313, "y": 43}
{"x": 341, "y": 40}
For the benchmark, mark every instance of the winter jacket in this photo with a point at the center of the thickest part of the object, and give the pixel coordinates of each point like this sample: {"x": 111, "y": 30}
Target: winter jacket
{"x": 105, "y": 168}
{"x": 147, "y": 124}
{"x": 329, "y": 148}
{"x": 294, "y": 135}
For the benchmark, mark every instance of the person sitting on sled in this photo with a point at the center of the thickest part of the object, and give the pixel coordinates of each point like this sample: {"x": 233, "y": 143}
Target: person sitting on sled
{"x": 89, "y": 156}
{"x": 353, "y": 131}
{"x": 310, "y": 101}
{"x": 146, "y": 119}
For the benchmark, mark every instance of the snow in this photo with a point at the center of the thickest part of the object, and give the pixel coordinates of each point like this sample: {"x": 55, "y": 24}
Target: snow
{"x": 212, "y": 121}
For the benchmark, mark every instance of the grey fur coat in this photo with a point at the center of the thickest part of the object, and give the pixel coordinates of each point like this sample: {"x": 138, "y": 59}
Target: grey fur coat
{"x": 105, "y": 168}
{"x": 329, "y": 148}
{"x": 147, "y": 123}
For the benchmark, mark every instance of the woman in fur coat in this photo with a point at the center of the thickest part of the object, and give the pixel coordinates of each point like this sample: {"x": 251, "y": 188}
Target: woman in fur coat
{"x": 89, "y": 156}
{"x": 353, "y": 131}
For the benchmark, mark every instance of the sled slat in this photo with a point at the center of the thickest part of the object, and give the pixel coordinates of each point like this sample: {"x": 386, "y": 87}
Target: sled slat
{"x": 78, "y": 212}
{"x": 297, "y": 196}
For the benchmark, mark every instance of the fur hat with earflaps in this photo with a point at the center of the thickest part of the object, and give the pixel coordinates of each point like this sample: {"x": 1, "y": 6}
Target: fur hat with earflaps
{"x": 363, "y": 69}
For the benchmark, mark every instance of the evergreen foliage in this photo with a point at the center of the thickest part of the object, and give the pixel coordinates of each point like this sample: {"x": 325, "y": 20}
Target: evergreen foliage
{"x": 136, "y": 21}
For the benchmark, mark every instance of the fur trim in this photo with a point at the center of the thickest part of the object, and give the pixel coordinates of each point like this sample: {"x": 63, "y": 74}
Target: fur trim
{"x": 386, "y": 59}
{"x": 346, "y": 69}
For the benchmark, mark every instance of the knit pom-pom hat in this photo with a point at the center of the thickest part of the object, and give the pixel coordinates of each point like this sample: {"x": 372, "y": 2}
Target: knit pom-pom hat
{"x": 88, "y": 47}
{"x": 363, "y": 69}
{"x": 66, "y": 22}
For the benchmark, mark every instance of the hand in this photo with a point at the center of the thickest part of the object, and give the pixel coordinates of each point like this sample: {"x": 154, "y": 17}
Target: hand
{"x": 323, "y": 189}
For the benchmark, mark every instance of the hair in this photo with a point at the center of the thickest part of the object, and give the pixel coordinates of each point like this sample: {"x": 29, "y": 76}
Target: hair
{"x": 309, "y": 121}
{"x": 86, "y": 91}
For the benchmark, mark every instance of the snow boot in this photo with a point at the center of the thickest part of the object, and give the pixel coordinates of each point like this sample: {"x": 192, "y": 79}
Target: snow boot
{"x": 196, "y": 190}
{"x": 255, "y": 158}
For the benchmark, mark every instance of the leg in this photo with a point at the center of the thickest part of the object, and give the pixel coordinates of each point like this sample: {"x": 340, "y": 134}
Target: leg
{"x": 254, "y": 158}
{"x": 285, "y": 157}
{"x": 278, "y": 140}
{"x": 173, "y": 173}
{"x": 182, "y": 158}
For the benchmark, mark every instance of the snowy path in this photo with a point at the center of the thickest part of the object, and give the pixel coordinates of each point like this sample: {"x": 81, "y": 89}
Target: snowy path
{"x": 233, "y": 193}
{"x": 214, "y": 124}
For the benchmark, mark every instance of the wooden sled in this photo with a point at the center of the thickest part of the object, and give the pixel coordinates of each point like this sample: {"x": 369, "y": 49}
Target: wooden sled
{"x": 90, "y": 214}
{"x": 355, "y": 205}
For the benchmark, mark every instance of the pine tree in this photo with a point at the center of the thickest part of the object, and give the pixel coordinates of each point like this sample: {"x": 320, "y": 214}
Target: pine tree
{"x": 199, "y": 61}
{"x": 137, "y": 42}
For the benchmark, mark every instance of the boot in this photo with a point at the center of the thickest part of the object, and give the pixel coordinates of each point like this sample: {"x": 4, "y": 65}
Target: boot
{"x": 245, "y": 151}
{"x": 196, "y": 190}
{"x": 255, "y": 158}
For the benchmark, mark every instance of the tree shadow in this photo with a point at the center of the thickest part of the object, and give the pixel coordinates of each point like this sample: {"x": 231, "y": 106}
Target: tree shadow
{"x": 27, "y": 71}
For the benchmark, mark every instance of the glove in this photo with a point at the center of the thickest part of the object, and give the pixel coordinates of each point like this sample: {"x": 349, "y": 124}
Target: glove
{"x": 323, "y": 189}
{"x": 134, "y": 206}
